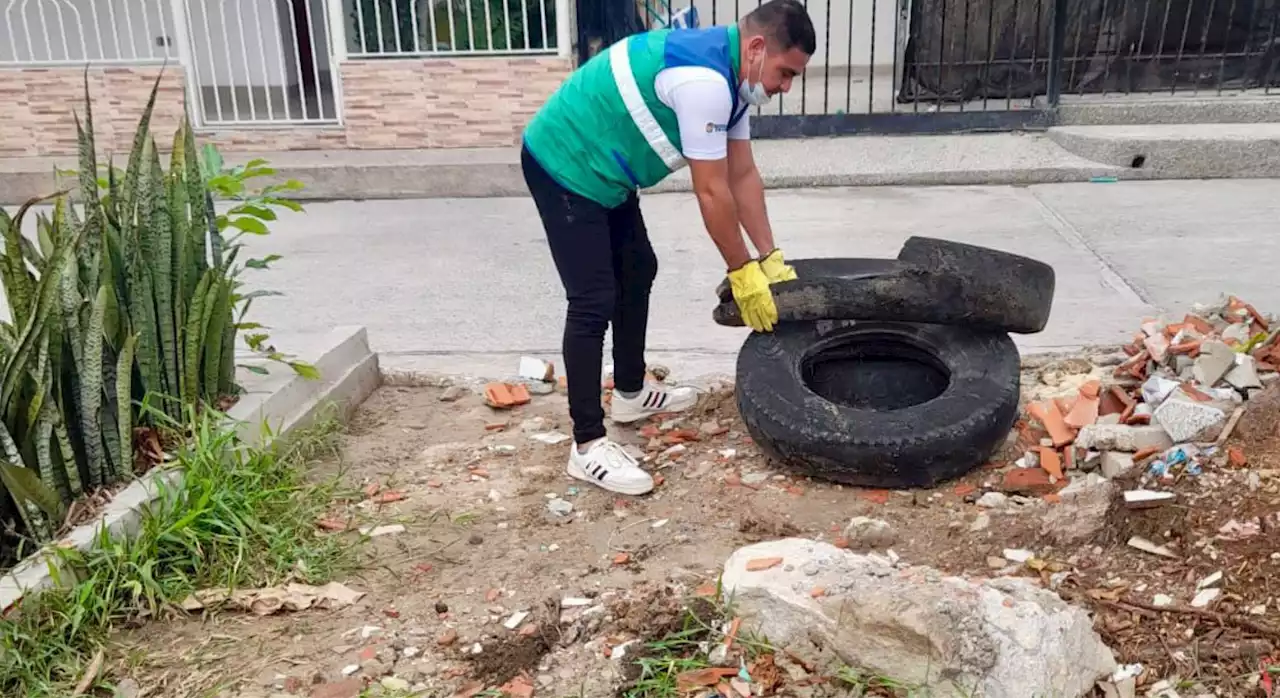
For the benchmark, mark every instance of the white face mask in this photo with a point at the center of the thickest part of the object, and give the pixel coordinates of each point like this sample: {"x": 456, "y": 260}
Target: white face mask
{"x": 755, "y": 94}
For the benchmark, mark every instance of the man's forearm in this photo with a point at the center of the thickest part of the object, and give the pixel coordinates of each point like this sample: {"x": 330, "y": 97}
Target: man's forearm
{"x": 748, "y": 193}
{"x": 720, "y": 213}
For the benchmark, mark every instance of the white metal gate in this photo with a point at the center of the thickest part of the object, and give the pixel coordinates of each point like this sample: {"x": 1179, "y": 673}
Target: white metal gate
{"x": 259, "y": 62}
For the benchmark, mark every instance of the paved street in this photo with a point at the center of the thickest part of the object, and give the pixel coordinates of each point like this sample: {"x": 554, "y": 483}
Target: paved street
{"x": 467, "y": 285}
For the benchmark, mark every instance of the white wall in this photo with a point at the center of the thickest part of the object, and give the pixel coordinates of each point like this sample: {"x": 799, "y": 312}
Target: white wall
{"x": 841, "y": 36}
{"x": 74, "y": 31}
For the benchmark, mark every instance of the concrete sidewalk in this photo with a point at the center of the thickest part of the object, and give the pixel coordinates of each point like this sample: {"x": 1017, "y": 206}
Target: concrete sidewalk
{"x": 1061, "y": 154}
{"x": 467, "y": 285}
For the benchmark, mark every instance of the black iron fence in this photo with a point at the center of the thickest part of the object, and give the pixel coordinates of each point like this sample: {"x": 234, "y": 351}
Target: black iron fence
{"x": 962, "y": 65}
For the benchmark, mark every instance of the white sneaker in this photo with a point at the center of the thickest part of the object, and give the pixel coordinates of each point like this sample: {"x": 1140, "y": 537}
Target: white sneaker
{"x": 653, "y": 399}
{"x": 607, "y": 465}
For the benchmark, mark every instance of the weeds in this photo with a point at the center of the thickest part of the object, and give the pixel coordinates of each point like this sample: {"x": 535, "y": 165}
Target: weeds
{"x": 242, "y": 517}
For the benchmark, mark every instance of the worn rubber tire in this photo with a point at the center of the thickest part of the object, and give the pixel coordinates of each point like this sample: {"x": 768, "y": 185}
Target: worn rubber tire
{"x": 912, "y": 446}
{"x": 933, "y": 281}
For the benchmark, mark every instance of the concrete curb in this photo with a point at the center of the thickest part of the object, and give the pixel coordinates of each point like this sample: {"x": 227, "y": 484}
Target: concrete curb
{"x": 1211, "y": 151}
{"x": 286, "y": 401}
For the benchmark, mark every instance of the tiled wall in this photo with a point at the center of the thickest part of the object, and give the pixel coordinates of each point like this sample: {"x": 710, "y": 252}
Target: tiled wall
{"x": 410, "y": 103}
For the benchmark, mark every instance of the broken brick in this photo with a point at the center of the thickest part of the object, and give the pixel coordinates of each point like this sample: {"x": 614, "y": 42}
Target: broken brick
{"x": 1195, "y": 393}
{"x": 1051, "y": 462}
{"x": 679, "y": 436}
{"x": 965, "y": 489}
{"x": 875, "y": 496}
{"x": 1091, "y": 388}
{"x": 760, "y": 564}
{"x": 506, "y": 395}
{"x": 1235, "y": 456}
{"x": 1050, "y": 417}
{"x": 1065, "y": 405}
{"x": 1144, "y": 453}
{"x": 817, "y": 592}
{"x": 621, "y": 559}
{"x": 1198, "y": 323}
{"x": 1030, "y": 481}
{"x": 1084, "y": 412}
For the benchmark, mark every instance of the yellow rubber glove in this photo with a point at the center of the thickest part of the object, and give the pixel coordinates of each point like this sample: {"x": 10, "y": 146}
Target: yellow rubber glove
{"x": 776, "y": 268}
{"x": 755, "y": 300}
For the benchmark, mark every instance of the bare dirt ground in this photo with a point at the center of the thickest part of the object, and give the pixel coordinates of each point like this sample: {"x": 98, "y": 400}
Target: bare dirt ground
{"x": 509, "y": 576}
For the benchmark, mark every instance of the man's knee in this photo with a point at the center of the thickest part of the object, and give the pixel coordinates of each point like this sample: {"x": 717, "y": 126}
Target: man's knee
{"x": 592, "y": 311}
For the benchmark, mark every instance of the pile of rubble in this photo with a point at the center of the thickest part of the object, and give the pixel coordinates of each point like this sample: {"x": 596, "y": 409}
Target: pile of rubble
{"x": 1166, "y": 404}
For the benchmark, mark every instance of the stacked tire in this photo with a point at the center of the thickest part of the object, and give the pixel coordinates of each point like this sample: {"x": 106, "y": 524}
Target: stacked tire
{"x": 891, "y": 373}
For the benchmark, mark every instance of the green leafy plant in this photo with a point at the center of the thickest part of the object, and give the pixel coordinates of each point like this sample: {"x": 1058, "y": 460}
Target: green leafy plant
{"x": 252, "y": 213}
{"x": 130, "y": 297}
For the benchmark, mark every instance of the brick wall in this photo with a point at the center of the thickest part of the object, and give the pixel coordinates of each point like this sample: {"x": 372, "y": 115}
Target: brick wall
{"x": 412, "y": 103}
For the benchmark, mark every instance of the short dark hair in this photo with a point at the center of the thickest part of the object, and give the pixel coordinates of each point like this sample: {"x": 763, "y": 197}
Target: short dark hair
{"x": 786, "y": 23}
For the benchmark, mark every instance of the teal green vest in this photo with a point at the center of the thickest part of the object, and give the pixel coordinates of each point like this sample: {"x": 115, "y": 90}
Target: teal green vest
{"x": 604, "y": 133}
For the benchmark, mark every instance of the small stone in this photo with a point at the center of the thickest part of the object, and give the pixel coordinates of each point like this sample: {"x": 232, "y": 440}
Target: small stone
{"x": 981, "y": 523}
{"x": 346, "y": 688}
{"x": 378, "y": 531}
{"x": 560, "y": 507}
{"x": 127, "y": 688}
{"x": 865, "y": 533}
{"x": 452, "y": 393}
{"x": 1162, "y": 600}
{"x": 447, "y": 638}
{"x": 996, "y": 563}
{"x": 350, "y": 669}
{"x": 1205, "y": 597}
{"x": 442, "y": 607}
{"x": 1018, "y": 555}
{"x": 410, "y": 652}
{"x": 394, "y": 683}
{"x": 475, "y": 539}
{"x": 993, "y": 500}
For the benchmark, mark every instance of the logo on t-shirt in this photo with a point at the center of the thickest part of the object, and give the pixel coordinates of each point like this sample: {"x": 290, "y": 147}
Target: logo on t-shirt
{"x": 712, "y": 127}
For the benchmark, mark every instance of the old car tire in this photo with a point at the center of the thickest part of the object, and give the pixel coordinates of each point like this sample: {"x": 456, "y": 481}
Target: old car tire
{"x": 878, "y": 404}
{"x": 934, "y": 281}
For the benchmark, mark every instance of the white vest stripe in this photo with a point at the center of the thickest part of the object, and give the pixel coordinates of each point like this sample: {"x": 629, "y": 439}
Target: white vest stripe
{"x": 620, "y": 62}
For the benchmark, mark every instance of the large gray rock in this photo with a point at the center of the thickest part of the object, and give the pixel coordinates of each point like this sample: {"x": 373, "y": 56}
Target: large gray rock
{"x": 1000, "y": 638}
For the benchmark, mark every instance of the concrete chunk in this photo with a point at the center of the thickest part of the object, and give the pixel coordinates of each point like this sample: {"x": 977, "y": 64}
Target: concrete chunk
{"x": 1116, "y": 464}
{"x": 1004, "y": 638}
{"x": 1190, "y": 421}
{"x": 1130, "y": 438}
{"x": 1244, "y": 375}
{"x": 1216, "y": 358}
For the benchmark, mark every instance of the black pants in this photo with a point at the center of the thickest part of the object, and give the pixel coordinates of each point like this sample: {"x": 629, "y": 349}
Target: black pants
{"x": 607, "y": 266}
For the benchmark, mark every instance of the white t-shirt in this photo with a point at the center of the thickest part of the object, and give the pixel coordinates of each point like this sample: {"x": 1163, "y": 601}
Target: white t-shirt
{"x": 702, "y": 102}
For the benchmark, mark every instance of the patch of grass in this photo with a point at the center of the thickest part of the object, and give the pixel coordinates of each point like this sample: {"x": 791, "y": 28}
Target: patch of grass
{"x": 864, "y": 683}
{"x": 242, "y": 517}
{"x": 656, "y": 666}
